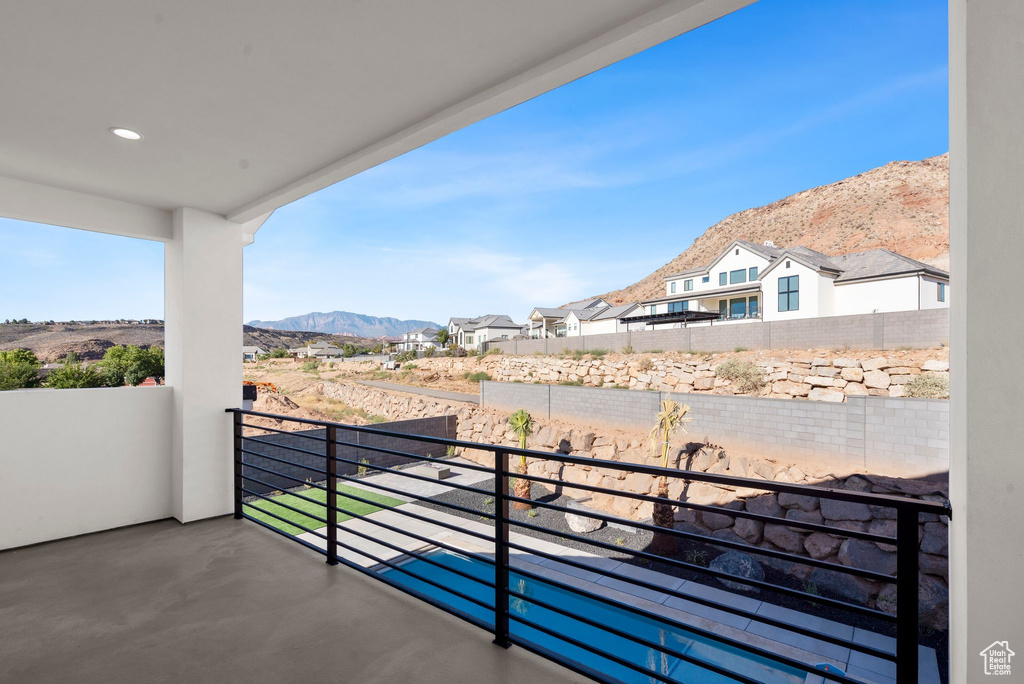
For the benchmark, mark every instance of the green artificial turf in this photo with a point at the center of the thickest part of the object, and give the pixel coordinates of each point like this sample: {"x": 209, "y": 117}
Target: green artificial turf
{"x": 316, "y": 509}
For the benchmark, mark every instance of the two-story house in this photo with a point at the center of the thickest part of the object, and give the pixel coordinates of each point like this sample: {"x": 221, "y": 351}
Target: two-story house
{"x": 419, "y": 340}
{"x": 751, "y": 281}
{"x": 470, "y": 333}
{"x": 553, "y": 321}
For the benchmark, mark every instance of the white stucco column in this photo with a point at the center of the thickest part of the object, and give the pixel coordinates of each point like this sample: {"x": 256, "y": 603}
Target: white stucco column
{"x": 987, "y": 367}
{"x": 203, "y": 309}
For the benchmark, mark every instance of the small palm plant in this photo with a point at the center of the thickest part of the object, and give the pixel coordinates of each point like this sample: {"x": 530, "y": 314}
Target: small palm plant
{"x": 521, "y": 423}
{"x": 670, "y": 419}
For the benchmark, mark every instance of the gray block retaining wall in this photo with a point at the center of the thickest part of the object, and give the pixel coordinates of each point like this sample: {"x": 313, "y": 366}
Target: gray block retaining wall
{"x": 892, "y": 436}
{"x": 918, "y": 329}
{"x": 312, "y": 466}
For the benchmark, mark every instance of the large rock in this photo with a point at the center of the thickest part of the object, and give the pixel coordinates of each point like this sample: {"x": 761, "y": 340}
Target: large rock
{"x": 876, "y": 379}
{"x": 935, "y": 366}
{"x": 784, "y": 538}
{"x": 845, "y": 510}
{"x": 932, "y": 602}
{"x": 934, "y": 565}
{"x": 842, "y": 585}
{"x": 876, "y": 363}
{"x": 936, "y": 539}
{"x": 852, "y": 374}
{"x": 749, "y": 530}
{"x": 716, "y": 521}
{"x": 798, "y": 501}
{"x": 793, "y": 389}
{"x": 705, "y": 457}
{"x": 765, "y": 504}
{"x": 823, "y": 394}
{"x": 865, "y": 555}
{"x": 581, "y": 524}
{"x": 738, "y": 565}
{"x": 804, "y": 517}
{"x": 820, "y": 545}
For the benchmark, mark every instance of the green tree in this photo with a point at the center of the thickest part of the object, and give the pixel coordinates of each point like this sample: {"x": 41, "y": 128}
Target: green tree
{"x": 521, "y": 423}
{"x": 19, "y": 368}
{"x": 348, "y": 350}
{"x": 279, "y": 353}
{"x": 127, "y": 364}
{"x": 73, "y": 374}
{"x": 442, "y": 337}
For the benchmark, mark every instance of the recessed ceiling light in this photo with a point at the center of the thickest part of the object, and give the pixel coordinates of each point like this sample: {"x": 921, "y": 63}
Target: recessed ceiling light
{"x": 126, "y": 133}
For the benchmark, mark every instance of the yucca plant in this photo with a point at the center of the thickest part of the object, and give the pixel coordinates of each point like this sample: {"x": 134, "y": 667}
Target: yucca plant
{"x": 670, "y": 420}
{"x": 521, "y": 423}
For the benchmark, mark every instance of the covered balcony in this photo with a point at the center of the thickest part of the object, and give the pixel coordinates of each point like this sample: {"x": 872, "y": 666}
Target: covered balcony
{"x": 121, "y": 560}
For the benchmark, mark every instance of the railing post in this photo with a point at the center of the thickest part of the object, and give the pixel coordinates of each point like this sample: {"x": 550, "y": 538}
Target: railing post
{"x": 332, "y": 495}
{"x": 501, "y": 514}
{"x": 238, "y": 465}
{"x": 906, "y": 594}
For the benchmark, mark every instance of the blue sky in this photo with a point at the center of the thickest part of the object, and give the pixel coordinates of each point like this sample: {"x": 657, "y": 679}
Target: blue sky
{"x": 580, "y": 191}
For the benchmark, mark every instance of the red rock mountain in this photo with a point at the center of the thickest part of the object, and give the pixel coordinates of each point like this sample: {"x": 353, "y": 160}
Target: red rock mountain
{"x": 902, "y": 206}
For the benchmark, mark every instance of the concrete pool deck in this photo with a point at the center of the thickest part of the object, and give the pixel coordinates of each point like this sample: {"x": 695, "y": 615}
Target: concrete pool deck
{"x": 605, "y": 580}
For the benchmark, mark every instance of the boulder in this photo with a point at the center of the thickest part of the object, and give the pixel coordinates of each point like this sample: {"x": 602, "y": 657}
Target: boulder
{"x": 846, "y": 363}
{"x": 855, "y": 389}
{"x": 845, "y": 510}
{"x": 738, "y": 564}
{"x": 852, "y": 374}
{"x": 935, "y": 366}
{"x": 842, "y": 585}
{"x": 885, "y": 527}
{"x": 932, "y": 602}
{"x": 581, "y": 441}
{"x": 716, "y": 521}
{"x": 865, "y": 555}
{"x": 876, "y": 379}
{"x": 765, "y": 504}
{"x": 728, "y": 535}
{"x": 876, "y": 363}
{"x": 820, "y": 545}
{"x": 803, "y": 516}
{"x": 581, "y": 524}
{"x": 934, "y": 565}
{"x": 749, "y": 530}
{"x": 936, "y": 539}
{"x": 793, "y": 389}
{"x": 798, "y": 501}
{"x": 784, "y": 538}
{"x": 823, "y": 394}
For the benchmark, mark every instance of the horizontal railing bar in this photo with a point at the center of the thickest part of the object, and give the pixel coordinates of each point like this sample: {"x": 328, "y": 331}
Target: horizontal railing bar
{"x": 318, "y": 454}
{"x": 626, "y": 635}
{"x": 413, "y": 476}
{"x": 308, "y": 545}
{"x": 768, "y": 519}
{"x": 286, "y": 520}
{"x": 710, "y": 603}
{"x": 871, "y": 498}
{"x": 418, "y": 497}
{"x": 699, "y": 631}
{"x": 760, "y": 584}
{"x": 746, "y": 548}
{"x": 413, "y": 535}
{"x": 284, "y": 491}
{"x": 406, "y": 454}
{"x": 284, "y": 432}
{"x": 285, "y": 461}
{"x": 284, "y": 505}
{"x": 287, "y": 477}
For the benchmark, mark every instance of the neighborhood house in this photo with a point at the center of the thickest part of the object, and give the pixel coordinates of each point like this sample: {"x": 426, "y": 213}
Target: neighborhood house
{"x": 470, "y": 333}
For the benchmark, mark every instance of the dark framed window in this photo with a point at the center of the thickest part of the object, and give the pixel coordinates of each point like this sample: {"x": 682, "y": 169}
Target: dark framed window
{"x": 686, "y": 306}
{"x": 789, "y": 293}
{"x": 723, "y": 307}
{"x": 688, "y": 285}
{"x": 738, "y": 308}
{"x": 706, "y": 279}
{"x": 721, "y": 278}
{"x": 676, "y": 307}
{"x": 672, "y": 288}
{"x": 942, "y": 292}
{"x": 654, "y": 309}
{"x": 738, "y": 276}
{"x": 753, "y": 273}
{"x": 752, "y": 307}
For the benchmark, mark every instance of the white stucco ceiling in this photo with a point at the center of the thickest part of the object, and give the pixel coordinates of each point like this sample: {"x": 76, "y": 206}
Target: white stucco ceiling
{"x": 246, "y": 105}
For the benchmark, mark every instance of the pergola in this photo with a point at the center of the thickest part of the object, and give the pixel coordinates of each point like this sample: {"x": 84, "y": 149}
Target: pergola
{"x": 243, "y": 109}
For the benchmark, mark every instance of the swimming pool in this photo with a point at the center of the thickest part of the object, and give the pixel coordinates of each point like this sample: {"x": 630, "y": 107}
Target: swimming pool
{"x": 705, "y": 650}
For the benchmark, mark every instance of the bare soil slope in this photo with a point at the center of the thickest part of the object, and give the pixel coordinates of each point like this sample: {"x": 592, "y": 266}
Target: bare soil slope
{"x": 902, "y": 206}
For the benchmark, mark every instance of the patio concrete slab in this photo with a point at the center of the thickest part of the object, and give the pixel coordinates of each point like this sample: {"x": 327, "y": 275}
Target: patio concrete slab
{"x": 228, "y": 601}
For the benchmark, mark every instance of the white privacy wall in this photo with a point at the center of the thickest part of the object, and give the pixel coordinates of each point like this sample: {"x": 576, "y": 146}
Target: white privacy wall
{"x": 82, "y": 460}
{"x": 871, "y": 296}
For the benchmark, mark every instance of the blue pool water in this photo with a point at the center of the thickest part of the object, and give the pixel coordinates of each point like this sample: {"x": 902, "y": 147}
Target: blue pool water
{"x": 703, "y": 649}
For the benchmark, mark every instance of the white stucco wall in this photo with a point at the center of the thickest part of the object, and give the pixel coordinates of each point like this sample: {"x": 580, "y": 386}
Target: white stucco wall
{"x": 810, "y": 288}
{"x": 930, "y": 294}
{"x": 602, "y": 327}
{"x": 83, "y": 460}
{"x": 890, "y": 294}
{"x": 729, "y": 262}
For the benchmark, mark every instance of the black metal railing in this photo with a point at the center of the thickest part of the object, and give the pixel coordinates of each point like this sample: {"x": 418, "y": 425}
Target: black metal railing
{"x": 904, "y": 624}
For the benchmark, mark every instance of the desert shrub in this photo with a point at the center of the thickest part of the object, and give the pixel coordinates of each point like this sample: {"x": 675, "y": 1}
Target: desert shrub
{"x": 73, "y": 374}
{"x": 745, "y": 376}
{"x": 645, "y": 364}
{"x": 628, "y": 349}
{"x": 19, "y": 368}
{"x": 572, "y": 383}
{"x": 429, "y": 352}
{"x": 405, "y": 356}
{"x": 479, "y": 376}
{"x": 598, "y": 353}
{"x": 739, "y": 349}
{"x": 459, "y": 352}
{"x": 279, "y": 353}
{"x": 472, "y": 352}
{"x": 928, "y": 386}
{"x": 492, "y": 351}
{"x": 310, "y": 366}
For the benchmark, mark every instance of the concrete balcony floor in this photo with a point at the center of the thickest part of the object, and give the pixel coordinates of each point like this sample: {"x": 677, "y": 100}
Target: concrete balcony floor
{"x": 227, "y": 601}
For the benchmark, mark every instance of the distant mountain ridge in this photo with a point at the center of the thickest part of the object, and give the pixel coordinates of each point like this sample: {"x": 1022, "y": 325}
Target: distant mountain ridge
{"x": 345, "y": 323}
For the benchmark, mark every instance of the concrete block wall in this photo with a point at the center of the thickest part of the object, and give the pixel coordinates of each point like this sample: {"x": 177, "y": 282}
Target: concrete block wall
{"x": 311, "y": 466}
{"x": 918, "y": 329}
{"x": 879, "y": 434}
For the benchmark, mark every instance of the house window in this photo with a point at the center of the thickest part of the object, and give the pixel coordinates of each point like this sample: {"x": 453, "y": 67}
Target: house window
{"x": 675, "y": 307}
{"x": 706, "y": 279}
{"x": 688, "y": 285}
{"x": 738, "y": 276}
{"x": 654, "y": 309}
{"x": 942, "y": 292}
{"x": 787, "y": 263}
{"x": 721, "y": 277}
{"x": 737, "y": 251}
{"x": 738, "y": 308}
{"x": 752, "y": 307}
{"x": 789, "y": 293}
{"x": 672, "y": 288}
{"x": 753, "y": 273}
{"x": 686, "y": 306}
{"x": 469, "y": 339}
{"x": 723, "y": 308}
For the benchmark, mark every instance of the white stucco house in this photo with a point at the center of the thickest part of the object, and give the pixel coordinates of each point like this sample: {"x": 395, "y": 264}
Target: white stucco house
{"x": 751, "y": 281}
{"x": 252, "y": 353}
{"x": 317, "y": 350}
{"x": 419, "y": 340}
{"x": 470, "y": 333}
{"x": 552, "y": 321}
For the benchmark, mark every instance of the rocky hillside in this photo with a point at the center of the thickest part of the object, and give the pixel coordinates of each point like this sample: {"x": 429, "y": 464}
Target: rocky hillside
{"x": 346, "y": 323}
{"x": 902, "y": 206}
{"x": 53, "y": 342}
